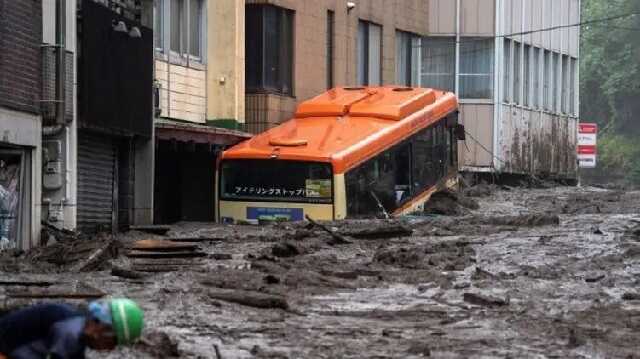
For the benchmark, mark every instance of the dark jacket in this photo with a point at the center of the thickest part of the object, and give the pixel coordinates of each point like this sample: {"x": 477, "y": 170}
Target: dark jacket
{"x": 53, "y": 330}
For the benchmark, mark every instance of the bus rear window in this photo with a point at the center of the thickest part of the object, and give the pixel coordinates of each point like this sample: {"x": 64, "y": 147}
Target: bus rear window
{"x": 274, "y": 180}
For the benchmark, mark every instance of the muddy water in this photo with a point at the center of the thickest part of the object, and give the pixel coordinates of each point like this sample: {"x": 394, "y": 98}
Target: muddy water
{"x": 531, "y": 289}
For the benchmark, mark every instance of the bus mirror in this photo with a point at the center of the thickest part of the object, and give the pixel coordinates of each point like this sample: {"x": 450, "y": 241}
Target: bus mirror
{"x": 460, "y": 133}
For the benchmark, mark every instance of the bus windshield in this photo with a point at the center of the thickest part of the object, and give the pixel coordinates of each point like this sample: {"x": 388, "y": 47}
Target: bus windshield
{"x": 275, "y": 180}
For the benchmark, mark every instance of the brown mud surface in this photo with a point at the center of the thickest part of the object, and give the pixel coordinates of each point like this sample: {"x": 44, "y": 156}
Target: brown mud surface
{"x": 529, "y": 273}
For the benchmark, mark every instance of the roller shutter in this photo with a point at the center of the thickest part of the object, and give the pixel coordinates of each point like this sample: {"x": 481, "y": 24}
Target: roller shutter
{"x": 96, "y": 169}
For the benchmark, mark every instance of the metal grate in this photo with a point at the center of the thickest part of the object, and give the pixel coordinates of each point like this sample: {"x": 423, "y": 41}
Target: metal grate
{"x": 49, "y": 96}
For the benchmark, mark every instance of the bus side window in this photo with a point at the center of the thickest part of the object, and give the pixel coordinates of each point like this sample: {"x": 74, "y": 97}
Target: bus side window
{"x": 403, "y": 172}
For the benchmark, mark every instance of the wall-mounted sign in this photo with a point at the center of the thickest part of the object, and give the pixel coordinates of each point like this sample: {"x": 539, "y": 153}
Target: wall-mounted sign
{"x": 587, "y": 145}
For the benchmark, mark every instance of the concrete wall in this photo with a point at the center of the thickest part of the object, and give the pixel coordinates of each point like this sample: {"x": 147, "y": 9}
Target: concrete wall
{"x": 532, "y": 139}
{"x": 477, "y": 17}
{"x": 478, "y": 122}
{"x": 226, "y": 61}
{"x": 310, "y": 31}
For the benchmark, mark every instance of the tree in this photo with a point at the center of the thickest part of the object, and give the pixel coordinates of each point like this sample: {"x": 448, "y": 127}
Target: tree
{"x": 610, "y": 82}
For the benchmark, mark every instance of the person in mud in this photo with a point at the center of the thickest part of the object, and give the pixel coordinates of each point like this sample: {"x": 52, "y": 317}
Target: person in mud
{"x": 59, "y": 331}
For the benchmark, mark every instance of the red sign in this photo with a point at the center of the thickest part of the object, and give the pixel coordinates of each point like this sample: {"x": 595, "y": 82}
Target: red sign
{"x": 587, "y": 145}
{"x": 588, "y": 128}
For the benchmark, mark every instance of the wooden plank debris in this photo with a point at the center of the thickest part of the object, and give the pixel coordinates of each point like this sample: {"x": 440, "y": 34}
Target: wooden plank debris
{"x": 177, "y": 254}
{"x": 153, "y": 228}
{"x": 159, "y": 245}
{"x": 250, "y": 298}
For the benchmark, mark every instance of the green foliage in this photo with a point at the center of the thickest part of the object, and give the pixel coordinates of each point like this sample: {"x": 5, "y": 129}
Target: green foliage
{"x": 610, "y": 83}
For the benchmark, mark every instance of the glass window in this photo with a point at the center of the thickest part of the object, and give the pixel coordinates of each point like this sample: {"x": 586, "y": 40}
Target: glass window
{"x": 554, "y": 82}
{"x": 517, "y": 84}
{"x": 476, "y": 68}
{"x": 185, "y": 21}
{"x": 572, "y": 87}
{"x": 565, "y": 84}
{"x": 507, "y": 71}
{"x": 330, "y": 47}
{"x": 196, "y": 14}
{"x": 535, "y": 73}
{"x": 438, "y": 63}
{"x": 177, "y": 20}
{"x": 263, "y": 180}
{"x": 527, "y": 75}
{"x": 407, "y": 58}
{"x": 158, "y": 26}
{"x": 369, "y": 54}
{"x": 269, "y": 49}
{"x": 547, "y": 80}
{"x": 10, "y": 198}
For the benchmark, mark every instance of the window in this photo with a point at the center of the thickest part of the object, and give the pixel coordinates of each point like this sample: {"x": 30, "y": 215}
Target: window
{"x": 517, "y": 75}
{"x": 572, "y": 87}
{"x": 330, "y": 47}
{"x": 369, "y": 54}
{"x": 263, "y": 180}
{"x": 565, "y": 84}
{"x": 507, "y": 71}
{"x": 527, "y": 75}
{"x": 535, "y": 99}
{"x": 407, "y": 58}
{"x": 546, "y": 83}
{"x": 185, "y": 23}
{"x": 438, "y": 63}
{"x": 476, "y": 68}
{"x": 195, "y": 27}
{"x": 554, "y": 82}
{"x": 397, "y": 175}
{"x": 269, "y": 49}
{"x": 158, "y": 26}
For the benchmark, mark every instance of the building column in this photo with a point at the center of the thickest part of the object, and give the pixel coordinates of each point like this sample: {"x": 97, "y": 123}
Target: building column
{"x": 144, "y": 181}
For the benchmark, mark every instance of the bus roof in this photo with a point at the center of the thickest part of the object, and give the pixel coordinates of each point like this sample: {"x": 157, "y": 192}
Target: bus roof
{"x": 347, "y": 126}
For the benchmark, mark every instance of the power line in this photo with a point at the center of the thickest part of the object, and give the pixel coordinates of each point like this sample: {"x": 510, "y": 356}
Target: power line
{"x": 529, "y": 32}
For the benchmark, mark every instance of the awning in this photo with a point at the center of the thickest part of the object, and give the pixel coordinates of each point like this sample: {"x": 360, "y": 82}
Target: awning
{"x": 170, "y": 130}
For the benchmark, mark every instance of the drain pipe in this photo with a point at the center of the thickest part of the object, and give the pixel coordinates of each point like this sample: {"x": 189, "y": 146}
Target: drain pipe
{"x": 60, "y": 45}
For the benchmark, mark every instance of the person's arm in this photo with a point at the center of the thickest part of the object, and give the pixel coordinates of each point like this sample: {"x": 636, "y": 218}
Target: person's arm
{"x": 65, "y": 340}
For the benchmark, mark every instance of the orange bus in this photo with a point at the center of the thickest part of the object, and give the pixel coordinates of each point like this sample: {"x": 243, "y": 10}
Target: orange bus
{"x": 348, "y": 153}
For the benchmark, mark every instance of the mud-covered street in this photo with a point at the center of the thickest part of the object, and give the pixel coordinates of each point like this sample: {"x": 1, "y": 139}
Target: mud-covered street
{"x": 524, "y": 273}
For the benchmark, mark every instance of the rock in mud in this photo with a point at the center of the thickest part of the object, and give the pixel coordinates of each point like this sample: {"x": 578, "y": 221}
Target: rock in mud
{"x": 449, "y": 204}
{"x": 449, "y": 256}
{"x": 485, "y": 300}
{"x": 480, "y": 190}
{"x": 420, "y": 349}
{"x": 527, "y": 220}
{"x": 286, "y": 249}
{"x": 159, "y": 345}
{"x": 250, "y": 298}
{"x": 631, "y": 296}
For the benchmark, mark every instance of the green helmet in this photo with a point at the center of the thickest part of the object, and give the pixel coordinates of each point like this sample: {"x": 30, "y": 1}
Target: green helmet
{"x": 127, "y": 320}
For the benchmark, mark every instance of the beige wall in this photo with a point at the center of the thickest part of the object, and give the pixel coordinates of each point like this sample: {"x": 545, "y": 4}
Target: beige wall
{"x": 226, "y": 60}
{"x": 182, "y": 91}
{"x": 478, "y": 122}
{"x": 477, "y": 17}
{"x": 310, "y": 24}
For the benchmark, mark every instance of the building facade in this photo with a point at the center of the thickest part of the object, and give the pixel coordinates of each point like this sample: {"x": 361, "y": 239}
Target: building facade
{"x": 199, "y": 75}
{"x": 20, "y": 123}
{"x": 298, "y": 49}
{"x": 514, "y": 65}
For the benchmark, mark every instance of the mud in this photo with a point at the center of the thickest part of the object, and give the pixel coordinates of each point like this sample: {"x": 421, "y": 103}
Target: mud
{"x": 524, "y": 275}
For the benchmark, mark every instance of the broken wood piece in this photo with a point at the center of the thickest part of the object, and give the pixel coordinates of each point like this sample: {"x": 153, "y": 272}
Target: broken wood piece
{"x": 485, "y": 300}
{"x": 250, "y": 298}
{"x": 391, "y": 231}
{"x": 337, "y": 238}
{"x": 25, "y": 283}
{"x": 176, "y": 254}
{"x": 94, "y": 260}
{"x": 196, "y": 239}
{"x": 159, "y": 245}
{"x": 153, "y": 228}
{"x": 56, "y": 295}
{"x": 127, "y": 273}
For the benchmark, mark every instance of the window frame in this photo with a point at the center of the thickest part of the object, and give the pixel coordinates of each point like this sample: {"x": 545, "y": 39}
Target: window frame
{"x": 446, "y": 43}
{"x": 182, "y": 56}
{"x": 363, "y": 75}
{"x": 526, "y": 76}
{"x": 487, "y": 48}
{"x": 284, "y": 84}
{"x": 517, "y": 73}
{"x": 507, "y": 96}
{"x": 410, "y": 44}
{"x": 330, "y": 48}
